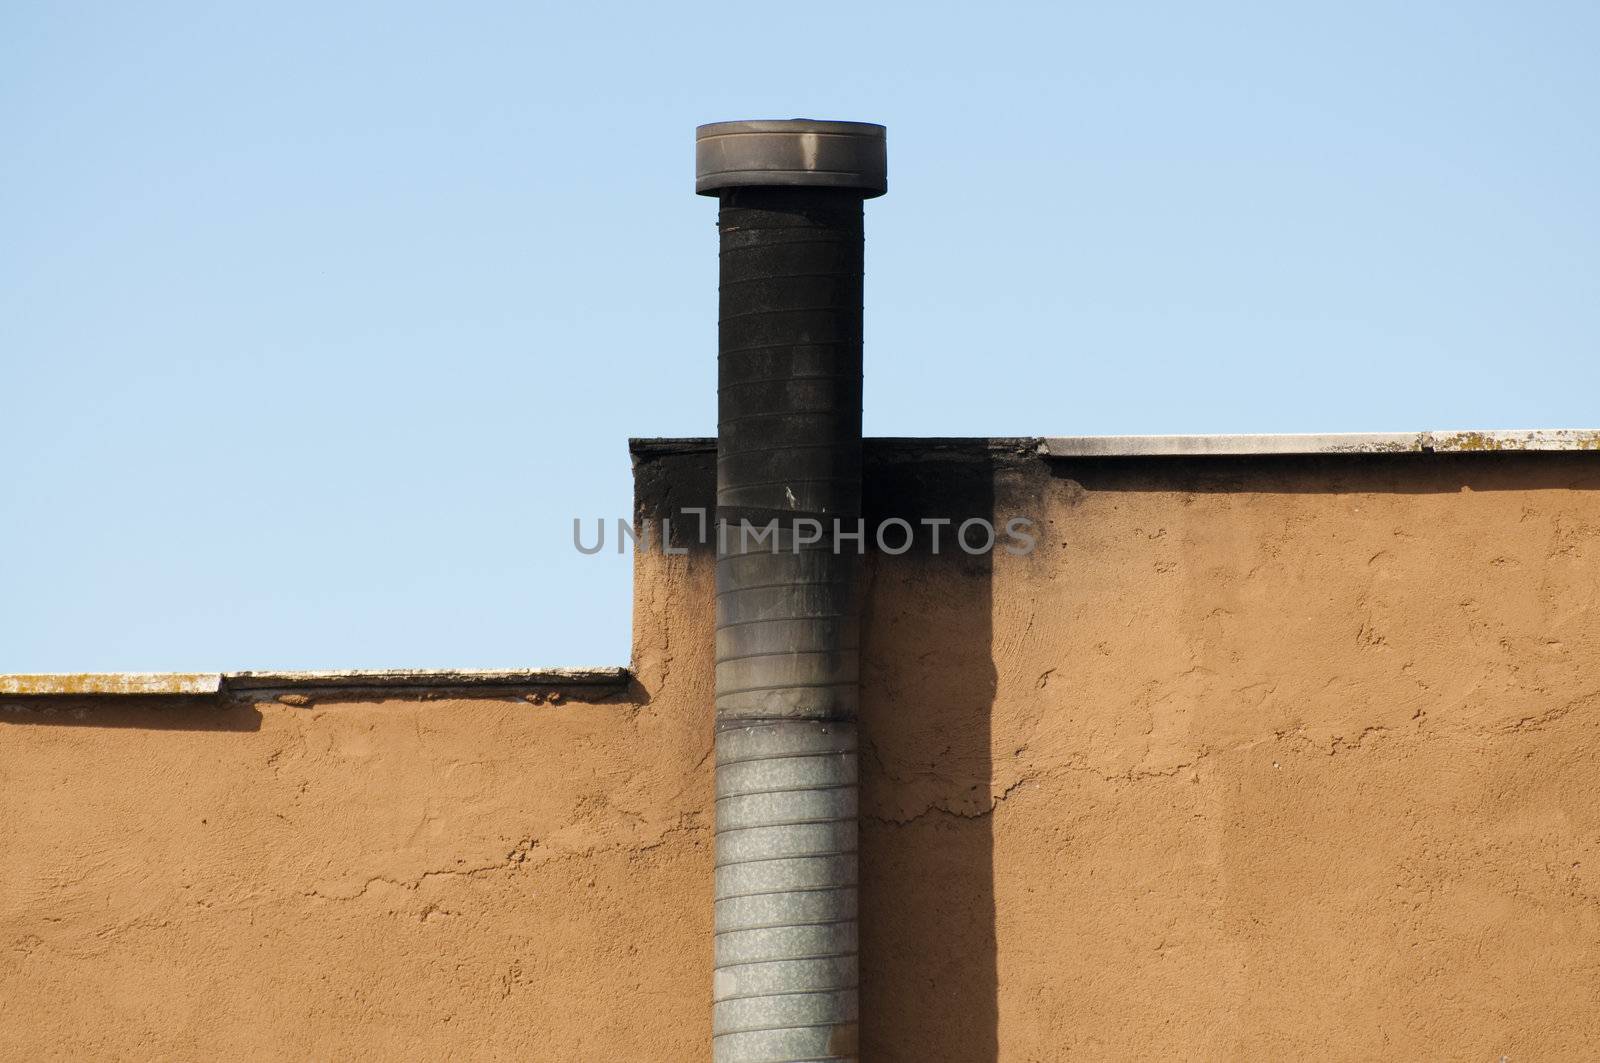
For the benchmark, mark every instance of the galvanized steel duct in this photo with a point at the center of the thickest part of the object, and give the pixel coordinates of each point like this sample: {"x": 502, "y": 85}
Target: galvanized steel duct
{"x": 788, "y": 449}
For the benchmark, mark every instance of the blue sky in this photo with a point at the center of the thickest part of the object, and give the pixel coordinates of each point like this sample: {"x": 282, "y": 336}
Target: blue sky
{"x": 319, "y": 323}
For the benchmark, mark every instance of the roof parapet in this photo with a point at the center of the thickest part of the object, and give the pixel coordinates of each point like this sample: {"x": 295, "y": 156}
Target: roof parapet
{"x": 191, "y": 684}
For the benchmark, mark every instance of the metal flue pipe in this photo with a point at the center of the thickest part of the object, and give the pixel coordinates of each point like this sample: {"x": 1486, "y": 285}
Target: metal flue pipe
{"x": 789, "y": 452}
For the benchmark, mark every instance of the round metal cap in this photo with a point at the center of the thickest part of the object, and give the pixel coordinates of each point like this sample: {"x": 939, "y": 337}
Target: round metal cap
{"x": 799, "y": 152}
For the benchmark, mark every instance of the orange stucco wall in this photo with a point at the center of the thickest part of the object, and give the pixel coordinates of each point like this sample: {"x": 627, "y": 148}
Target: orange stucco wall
{"x": 1250, "y": 759}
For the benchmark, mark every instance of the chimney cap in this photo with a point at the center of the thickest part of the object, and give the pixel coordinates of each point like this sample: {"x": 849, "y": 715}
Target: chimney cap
{"x": 791, "y": 153}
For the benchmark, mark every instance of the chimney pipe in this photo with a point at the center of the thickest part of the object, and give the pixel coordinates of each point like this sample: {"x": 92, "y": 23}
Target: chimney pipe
{"x": 789, "y": 450}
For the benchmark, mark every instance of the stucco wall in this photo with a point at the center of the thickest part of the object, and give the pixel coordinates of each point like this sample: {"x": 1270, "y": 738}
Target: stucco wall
{"x": 1252, "y": 759}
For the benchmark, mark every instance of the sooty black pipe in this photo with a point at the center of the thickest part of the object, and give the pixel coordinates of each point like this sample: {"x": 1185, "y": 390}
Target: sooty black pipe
{"x": 788, "y": 485}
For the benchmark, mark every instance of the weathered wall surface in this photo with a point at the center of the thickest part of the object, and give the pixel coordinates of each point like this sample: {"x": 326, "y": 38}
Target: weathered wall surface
{"x": 1250, "y": 759}
{"x": 346, "y": 880}
{"x": 1267, "y": 759}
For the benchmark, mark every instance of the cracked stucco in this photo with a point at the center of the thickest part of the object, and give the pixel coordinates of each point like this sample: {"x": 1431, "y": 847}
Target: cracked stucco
{"x": 1245, "y": 762}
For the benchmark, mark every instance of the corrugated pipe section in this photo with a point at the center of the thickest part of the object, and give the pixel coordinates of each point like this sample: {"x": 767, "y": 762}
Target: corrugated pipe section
{"x": 788, "y": 449}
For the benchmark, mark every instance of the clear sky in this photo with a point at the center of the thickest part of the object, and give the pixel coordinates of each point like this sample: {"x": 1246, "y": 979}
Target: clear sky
{"x": 320, "y": 322}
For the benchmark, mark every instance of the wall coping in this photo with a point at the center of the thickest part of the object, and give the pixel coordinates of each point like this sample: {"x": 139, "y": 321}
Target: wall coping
{"x": 1453, "y": 441}
{"x": 1434, "y": 442}
{"x": 260, "y": 683}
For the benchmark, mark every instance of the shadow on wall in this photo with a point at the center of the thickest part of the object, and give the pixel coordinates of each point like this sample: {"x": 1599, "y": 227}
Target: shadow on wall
{"x": 146, "y": 713}
{"x": 929, "y": 971}
{"x": 1333, "y": 474}
{"x": 928, "y": 952}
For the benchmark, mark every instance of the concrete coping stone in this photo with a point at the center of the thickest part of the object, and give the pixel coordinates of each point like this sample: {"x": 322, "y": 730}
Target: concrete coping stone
{"x": 169, "y": 684}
